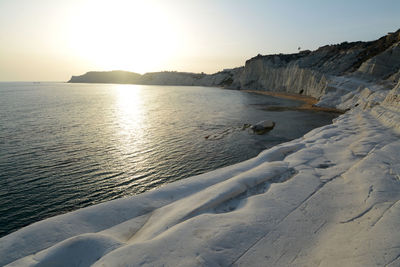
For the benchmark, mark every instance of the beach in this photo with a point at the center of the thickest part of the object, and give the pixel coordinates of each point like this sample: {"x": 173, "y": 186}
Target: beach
{"x": 309, "y": 102}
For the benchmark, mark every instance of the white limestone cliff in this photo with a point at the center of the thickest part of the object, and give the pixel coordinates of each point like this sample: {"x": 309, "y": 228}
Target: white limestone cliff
{"x": 382, "y": 65}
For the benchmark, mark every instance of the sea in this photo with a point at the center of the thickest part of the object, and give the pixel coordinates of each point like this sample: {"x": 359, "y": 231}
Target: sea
{"x": 67, "y": 146}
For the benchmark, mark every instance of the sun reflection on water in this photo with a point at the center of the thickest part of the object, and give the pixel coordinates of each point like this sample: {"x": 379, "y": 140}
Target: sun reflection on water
{"x": 130, "y": 119}
{"x": 131, "y": 139}
{"x": 130, "y": 109}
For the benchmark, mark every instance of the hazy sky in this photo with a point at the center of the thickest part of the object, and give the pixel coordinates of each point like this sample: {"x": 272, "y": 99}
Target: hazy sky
{"x": 42, "y": 40}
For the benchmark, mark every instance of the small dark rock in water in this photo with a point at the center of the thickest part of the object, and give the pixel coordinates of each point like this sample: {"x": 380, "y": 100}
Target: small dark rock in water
{"x": 263, "y": 127}
{"x": 245, "y": 126}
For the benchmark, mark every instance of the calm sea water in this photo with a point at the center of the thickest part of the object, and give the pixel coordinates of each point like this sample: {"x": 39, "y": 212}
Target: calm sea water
{"x": 68, "y": 146}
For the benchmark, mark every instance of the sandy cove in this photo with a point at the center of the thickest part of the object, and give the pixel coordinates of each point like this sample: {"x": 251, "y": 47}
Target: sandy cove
{"x": 309, "y": 103}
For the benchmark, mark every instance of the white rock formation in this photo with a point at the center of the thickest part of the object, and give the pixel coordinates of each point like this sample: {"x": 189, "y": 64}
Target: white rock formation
{"x": 382, "y": 65}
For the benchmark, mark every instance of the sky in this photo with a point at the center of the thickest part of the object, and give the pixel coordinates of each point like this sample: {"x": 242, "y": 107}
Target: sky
{"x": 50, "y": 40}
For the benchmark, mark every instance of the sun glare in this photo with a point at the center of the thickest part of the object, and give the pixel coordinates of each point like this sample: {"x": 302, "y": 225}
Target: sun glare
{"x": 130, "y": 110}
{"x": 130, "y": 35}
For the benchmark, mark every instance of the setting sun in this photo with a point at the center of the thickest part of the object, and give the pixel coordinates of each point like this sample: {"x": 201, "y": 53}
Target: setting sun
{"x": 130, "y": 35}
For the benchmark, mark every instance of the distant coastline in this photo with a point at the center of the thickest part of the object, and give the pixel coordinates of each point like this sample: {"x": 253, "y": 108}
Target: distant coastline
{"x": 223, "y": 78}
{"x": 185, "y": 78}
{"x": 309, "y": 73}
